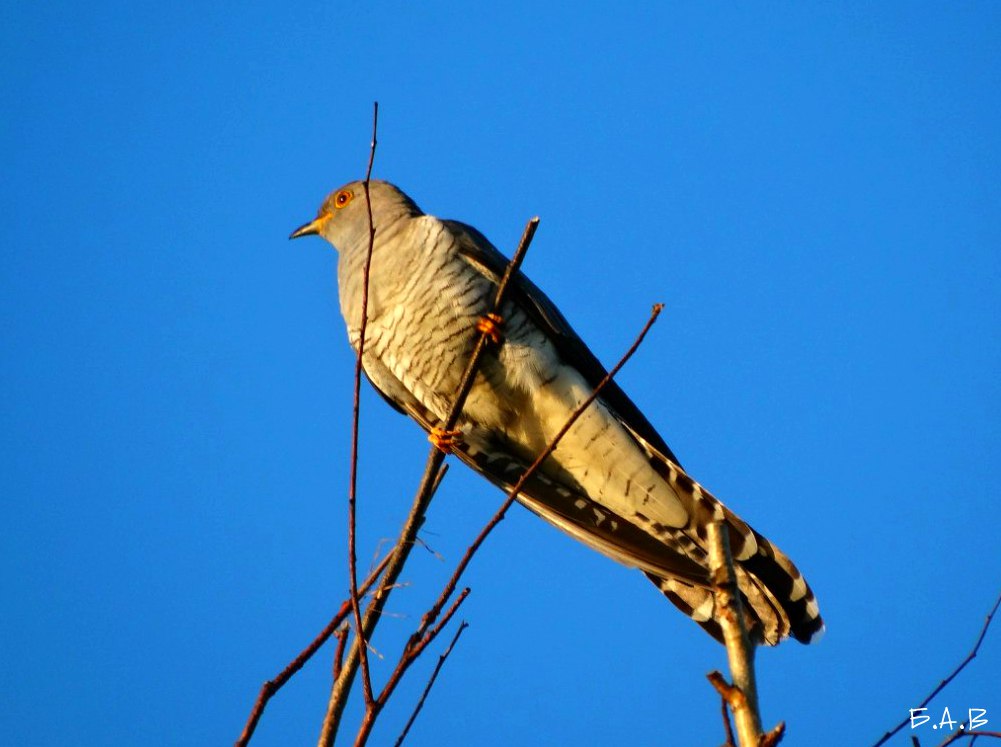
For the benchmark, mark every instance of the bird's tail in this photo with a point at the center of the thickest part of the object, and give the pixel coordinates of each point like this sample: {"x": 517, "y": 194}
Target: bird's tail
{"x": 777, "y": 600}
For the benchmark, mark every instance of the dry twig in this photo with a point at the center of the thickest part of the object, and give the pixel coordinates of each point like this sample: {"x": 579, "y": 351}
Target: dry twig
{"x": 412, "y": 651}
{"x": 942, "y": 685}
{"x": 353, "y": 479}
{"x": 342, "y": 638}
{"x": 430, "y": 684}
{"x": 269, "y": 688}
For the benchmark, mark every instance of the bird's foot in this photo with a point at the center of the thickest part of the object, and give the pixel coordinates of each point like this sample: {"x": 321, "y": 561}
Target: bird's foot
{"x": 444, "y": 440}
{"x": 490, "y": 325}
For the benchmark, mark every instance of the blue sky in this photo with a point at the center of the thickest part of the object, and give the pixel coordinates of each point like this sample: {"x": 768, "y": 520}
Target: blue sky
{"x": 812, "y": 190}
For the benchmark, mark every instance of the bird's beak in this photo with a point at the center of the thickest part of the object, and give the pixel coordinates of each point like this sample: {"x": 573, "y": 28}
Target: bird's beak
{"x": 309, "y": 229}
{"x": 312, "y": 227}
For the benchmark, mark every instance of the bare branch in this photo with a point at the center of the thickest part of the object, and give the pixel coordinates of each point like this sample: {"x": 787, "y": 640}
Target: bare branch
{"x": 742, "y": 695}
{"x": 413, "y": 650}
{"x": 430, "y": 684}
{"x": 353, "y": 479}
{"x": 269, "y": 688}
{"x": 342, "y": 686}
{"x": 941, "y": 685}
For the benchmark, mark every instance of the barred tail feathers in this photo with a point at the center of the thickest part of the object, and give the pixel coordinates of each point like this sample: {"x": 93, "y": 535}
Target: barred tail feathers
{"x": 770, "y": 616}
{"x": 776, "y": 598}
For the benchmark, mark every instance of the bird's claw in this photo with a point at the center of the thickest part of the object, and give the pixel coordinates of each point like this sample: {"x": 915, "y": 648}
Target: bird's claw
{"x": 490, "y": 325}
{"x": 444, "y": 440}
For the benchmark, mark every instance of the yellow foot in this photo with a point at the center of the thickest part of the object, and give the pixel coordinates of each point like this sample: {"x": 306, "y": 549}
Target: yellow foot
{"x": 444, "y": 440}
{"x": 490, "y": 325}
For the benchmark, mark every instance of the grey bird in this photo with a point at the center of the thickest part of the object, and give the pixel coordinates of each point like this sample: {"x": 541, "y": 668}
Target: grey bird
{"x": 613, "y": 483}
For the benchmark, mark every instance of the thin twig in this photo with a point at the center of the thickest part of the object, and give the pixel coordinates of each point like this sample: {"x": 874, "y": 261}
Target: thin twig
{"x": 733, "y": 695}
{"x": 973, "y": 735}
{"x": 353, "y": 479}
{"x": 941, "y": 685}
{"x": 773, "y": 737}
{"x": 269, "y": 688}
{"x": 342, "y": 686}
{"x": 430, "y": 684}
{"x": 727, "y": 728}
{"x": 342, "y": 638}
{"x": 512, "y": 494}
{"x": 413, "y": 650}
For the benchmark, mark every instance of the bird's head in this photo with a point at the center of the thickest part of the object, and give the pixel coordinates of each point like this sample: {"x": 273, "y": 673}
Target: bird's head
{"x": 343, "y": 217}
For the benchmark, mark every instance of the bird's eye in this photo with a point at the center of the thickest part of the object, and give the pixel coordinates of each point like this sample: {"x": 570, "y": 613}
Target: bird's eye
{"x": 342, "y": 198}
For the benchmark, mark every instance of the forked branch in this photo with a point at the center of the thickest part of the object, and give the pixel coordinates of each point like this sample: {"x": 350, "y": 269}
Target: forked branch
{"x": 269, "y": 688}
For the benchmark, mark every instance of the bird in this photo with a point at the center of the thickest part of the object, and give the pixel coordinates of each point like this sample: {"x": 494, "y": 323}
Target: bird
{"x": 613, "y": 483}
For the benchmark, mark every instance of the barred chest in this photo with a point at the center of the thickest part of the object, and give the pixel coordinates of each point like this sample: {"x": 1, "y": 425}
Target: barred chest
{"x": 423, "y": 305}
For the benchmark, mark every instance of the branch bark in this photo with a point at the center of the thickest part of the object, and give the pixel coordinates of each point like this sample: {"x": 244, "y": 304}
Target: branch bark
{"x": 742, "y": 695}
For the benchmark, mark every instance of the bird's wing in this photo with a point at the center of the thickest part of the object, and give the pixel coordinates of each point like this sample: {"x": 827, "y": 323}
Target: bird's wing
{"x": 476, "y": 249}
{"x": 396, "y": 394}
{"x": 571, "y": 510}
{"x": 400, "y": 408}
{"x": 584, "y": 519}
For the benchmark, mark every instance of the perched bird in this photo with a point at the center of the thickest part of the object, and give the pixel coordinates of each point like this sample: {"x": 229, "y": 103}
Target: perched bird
{"x": 613, "y": 483}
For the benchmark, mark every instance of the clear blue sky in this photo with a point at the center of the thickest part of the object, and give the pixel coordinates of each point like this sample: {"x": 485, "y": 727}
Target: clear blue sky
{"x": 811, "y": 190}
